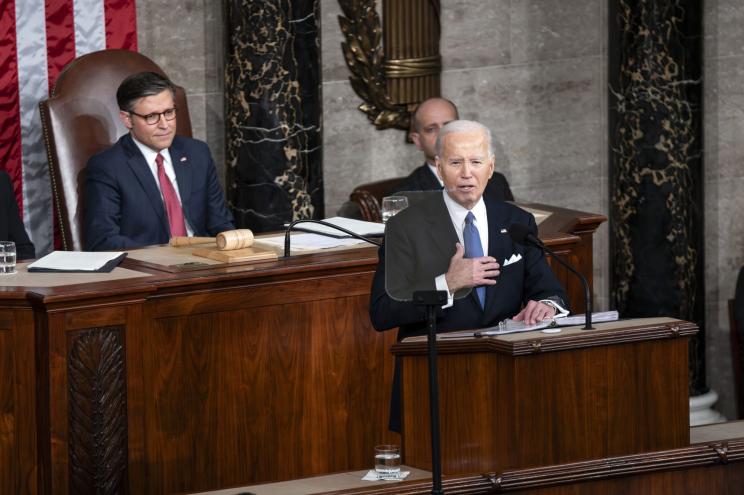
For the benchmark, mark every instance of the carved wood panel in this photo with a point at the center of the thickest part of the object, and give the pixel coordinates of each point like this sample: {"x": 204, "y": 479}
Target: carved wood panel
{"x": 97, "y": 411}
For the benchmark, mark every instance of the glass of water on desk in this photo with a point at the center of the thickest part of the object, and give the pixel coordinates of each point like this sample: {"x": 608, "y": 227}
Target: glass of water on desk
{"x": 392, "y": 205}
{"x": 7, "y": 257}
{"x": 387, "y": 461}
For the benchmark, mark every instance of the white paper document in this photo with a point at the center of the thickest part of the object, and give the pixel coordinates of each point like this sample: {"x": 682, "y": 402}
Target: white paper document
{"x": 75, "y": 261}
{"x": 511, "y": 326}
{"x": 305, "y": 242}
{"x": 360, "y": 227}
{"x": 372, "y": 475}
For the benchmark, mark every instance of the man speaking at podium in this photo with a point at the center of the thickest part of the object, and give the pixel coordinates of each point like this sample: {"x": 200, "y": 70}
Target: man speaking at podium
{"x": 458, "y": 240}
{"x": 151, "y": 185}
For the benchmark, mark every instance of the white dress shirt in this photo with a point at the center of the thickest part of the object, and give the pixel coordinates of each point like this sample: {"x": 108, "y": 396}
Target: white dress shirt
{"x": 457, "y": 215}
{"x": 150, "y": 155}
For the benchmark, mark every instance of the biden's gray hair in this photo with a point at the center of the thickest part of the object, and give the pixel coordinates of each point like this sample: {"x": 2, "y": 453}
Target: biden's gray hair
{"x": 463, "y": 126}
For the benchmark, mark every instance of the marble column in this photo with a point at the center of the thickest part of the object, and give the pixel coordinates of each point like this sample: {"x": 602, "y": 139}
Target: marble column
{"x": 273, "y": 112}
{"x": 656, "y": 164}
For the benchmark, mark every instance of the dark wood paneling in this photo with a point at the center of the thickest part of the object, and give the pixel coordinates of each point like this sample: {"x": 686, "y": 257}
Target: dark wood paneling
{"x": 18, "y": 454}
{"x": 8, "y": 411}
{"x": 500, "y": 411}
{"x": 264, "y": 393}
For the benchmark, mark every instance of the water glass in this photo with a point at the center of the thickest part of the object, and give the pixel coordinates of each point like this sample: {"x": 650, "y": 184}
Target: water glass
{"x": 7, "y": 257}
{"x": 387, "y": 461}
{"x": 392, "y": 205}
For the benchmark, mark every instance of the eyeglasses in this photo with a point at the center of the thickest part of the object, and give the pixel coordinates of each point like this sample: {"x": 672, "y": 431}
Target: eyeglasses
{"x": 154, "y": 118}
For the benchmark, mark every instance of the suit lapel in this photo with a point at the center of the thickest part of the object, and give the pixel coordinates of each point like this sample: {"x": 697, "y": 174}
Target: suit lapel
{"x": 142, "y": 172}
{"x": 182, "y": 167}
{"x": 499, "y": 247}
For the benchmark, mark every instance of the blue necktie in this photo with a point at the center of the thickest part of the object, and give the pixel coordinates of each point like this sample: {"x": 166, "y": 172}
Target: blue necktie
{"x": 474, "y": 249}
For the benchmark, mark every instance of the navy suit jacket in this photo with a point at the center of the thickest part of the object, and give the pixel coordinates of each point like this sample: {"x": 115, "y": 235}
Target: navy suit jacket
{"x": 123, "y": 207}
{"x": 422, "y": 179}
{"x": 11, "y": 226}
{"x": 424, "y": 244}
{"x": 419, "y": 243}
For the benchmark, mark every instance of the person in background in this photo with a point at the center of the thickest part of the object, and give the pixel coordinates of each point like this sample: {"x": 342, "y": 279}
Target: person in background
{"x": 11, "y": 226}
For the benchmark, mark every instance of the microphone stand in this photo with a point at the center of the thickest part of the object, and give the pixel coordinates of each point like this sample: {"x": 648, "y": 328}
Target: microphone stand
{"x": 327, "y": 224}
{"x": 431, "y": 300}
{"x": 587, "y": 293}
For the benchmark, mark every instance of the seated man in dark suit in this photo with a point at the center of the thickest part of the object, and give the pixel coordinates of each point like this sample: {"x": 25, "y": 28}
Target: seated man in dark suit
{"x": 458, "y": 241}
{"x": 151, "y": 185}
{"x": 429, "y": 117}
{"x": 11, "y": 226}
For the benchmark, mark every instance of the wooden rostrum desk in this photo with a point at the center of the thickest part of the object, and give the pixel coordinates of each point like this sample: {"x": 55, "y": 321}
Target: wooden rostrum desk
{"x": 533, "y": 399}
{"x": 186, "y": 379}
{"x": 193, "y": 379}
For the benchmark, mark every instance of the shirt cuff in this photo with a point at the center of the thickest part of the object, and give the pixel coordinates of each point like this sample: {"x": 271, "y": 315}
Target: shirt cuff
{"x": 560, "y": 311}
{"x": 441, "y": 284}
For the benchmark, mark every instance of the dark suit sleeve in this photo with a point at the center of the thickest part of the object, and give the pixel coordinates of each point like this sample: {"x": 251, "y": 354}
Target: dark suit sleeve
{"x": 103, "y": 209}
{"x": 219, "y": 218}
{"x": 539, "y": 280}
{"x": 16, "y": 232}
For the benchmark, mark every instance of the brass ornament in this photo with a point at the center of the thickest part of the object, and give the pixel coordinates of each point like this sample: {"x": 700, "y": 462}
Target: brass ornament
{"x": 362, "y": 50}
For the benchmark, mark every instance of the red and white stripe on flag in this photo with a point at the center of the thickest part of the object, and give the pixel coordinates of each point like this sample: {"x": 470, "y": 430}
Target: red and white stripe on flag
{"x": 37, "y": 39}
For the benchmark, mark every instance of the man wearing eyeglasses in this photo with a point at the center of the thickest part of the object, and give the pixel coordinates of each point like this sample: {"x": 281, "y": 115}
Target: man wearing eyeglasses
{"x": 151, "y": 185}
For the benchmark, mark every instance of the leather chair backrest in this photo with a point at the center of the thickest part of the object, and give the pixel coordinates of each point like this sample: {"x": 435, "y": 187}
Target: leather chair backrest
{"x": 80, "y": 119}
{"x": 369, "y": 197}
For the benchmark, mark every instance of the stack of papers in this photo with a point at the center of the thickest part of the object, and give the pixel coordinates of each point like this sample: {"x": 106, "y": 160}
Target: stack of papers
{"x": 305, "y": 242}
{"x": 77, "y": 261}
{"x": 511, "y": 326}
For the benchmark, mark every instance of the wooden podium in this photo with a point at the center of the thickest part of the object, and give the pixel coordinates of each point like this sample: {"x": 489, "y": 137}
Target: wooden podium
{"x": 535, "y": 399}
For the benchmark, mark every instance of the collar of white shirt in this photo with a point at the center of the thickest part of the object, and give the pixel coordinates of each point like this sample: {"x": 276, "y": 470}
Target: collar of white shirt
{"x": 458, "y": 213}
{"x": 150, "y": 155}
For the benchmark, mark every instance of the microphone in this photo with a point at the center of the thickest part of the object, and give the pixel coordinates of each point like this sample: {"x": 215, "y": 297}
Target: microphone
{"x": 521, "y": 234}
{"x": 327, "y": 224}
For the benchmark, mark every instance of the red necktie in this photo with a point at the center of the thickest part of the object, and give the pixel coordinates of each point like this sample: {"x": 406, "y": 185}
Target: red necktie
{"x": 170, "y": 198}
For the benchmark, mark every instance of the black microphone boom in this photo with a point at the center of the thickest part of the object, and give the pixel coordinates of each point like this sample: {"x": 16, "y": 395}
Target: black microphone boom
{"x": 327, "y": 224}
{"x": 521, "y": 234}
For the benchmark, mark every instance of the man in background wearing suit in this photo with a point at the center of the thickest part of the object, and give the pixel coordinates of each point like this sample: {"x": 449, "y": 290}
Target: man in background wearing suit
{"x": 11, "y": 226}
{"x": 458, "y": 241}
{"x": 151, "y": 185}
{"x": 428, "y": 119}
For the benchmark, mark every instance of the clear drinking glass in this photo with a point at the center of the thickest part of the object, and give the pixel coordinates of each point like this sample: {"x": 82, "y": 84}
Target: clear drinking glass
{"x": 392, "y": 205}
{"x": 387, "y": 461}
{"x": 7, "y": 257}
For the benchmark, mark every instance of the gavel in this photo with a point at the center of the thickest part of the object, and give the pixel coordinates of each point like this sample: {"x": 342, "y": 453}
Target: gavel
{"x": 226, "y": 241}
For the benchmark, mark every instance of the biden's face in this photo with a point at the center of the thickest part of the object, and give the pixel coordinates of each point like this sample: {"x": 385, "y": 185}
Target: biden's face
{"x": 465, "y": 166}
{"x": 159, "y": 135}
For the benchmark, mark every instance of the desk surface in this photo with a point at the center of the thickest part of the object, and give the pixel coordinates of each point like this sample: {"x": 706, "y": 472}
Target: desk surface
{"x": 319, "y": 484}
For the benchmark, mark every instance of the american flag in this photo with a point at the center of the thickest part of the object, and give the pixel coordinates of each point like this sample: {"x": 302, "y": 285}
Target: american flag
{"x": 37, "y": 39}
